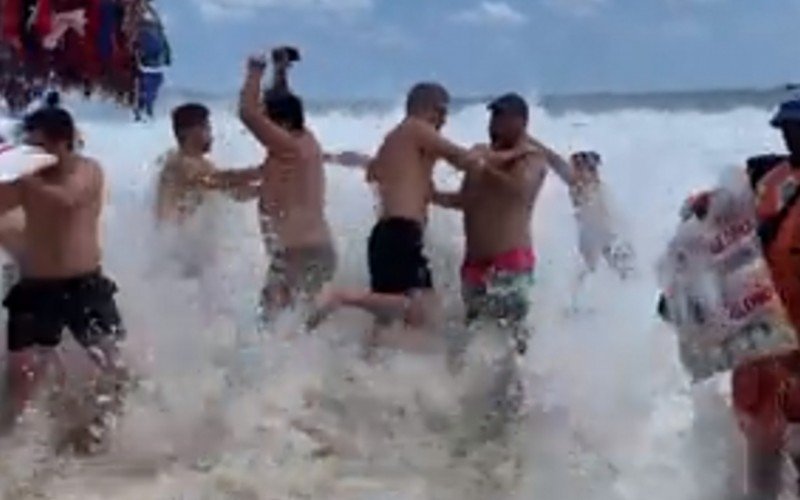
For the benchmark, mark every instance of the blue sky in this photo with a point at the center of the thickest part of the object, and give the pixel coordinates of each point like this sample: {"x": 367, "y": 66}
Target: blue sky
{"x": 377, "y": 48}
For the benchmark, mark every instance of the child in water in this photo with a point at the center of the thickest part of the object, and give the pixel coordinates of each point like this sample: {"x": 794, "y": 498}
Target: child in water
{"x": 597, "y": 234}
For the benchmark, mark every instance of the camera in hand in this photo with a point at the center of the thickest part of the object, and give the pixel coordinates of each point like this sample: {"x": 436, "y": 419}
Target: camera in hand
{"x": 286, "y": 53}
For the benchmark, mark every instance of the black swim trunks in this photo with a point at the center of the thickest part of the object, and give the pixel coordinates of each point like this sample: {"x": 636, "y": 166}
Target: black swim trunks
{"x": 397, "y": 264}
{"x": 40, "y": 309}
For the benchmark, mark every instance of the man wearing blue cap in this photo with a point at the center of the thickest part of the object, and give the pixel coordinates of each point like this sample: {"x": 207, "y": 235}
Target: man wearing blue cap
{"x": 498, "y": 204}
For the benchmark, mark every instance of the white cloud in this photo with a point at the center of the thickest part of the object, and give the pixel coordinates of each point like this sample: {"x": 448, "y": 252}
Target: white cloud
{"x": 227, "y": 9}
{"x": 491, "y": 13}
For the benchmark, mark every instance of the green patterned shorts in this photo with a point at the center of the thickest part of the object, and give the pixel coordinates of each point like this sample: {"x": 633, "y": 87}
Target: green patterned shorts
{"x": 505, "y": 297}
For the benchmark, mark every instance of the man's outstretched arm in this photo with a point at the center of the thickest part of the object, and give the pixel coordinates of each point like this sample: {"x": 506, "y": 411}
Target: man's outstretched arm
{"x": 242, "y": 184}
{"x": 453, "y": 200}
{"x": 234, "y": 178}
{"x": 520, "y": 178}
{"x": 348, "y": 159}
{"x": 555, "y": 161}
{"x": 476, "y": 158}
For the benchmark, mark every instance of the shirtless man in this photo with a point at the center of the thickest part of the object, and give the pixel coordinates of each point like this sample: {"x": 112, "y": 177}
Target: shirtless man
{"x": 401, "y": 281}
{"x": 498, "y": 204}
{"x": 186, "y": 180}
{"x": 62, "y": 283}
{"x": 292, "y": 197}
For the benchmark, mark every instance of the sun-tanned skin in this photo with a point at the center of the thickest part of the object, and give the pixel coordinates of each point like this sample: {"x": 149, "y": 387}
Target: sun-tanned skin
{"x": 292, "y": 197}
{"x": 402, "y": 174}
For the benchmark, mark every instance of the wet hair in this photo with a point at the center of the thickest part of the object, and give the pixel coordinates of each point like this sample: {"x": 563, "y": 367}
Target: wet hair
{"x": 286, "y": 109}
{"x": 54, "y": 123}
{"x": 426, "y": 95}
{"x": 187, "y": 116}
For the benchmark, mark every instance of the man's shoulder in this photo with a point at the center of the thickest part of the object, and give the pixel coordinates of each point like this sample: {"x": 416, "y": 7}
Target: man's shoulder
{"x": 412, "y": 133}
{"x": 87, "y": 161}
{"x": 187, "y": 164}
{"x": 531, "y": 161}
{"x": 88, "y": 165}
{"x": 309, "y": 141}
{"x": 412, "y": 127}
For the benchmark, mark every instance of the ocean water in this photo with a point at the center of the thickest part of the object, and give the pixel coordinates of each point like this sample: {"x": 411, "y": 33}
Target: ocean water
{"x": 225, "y": 412}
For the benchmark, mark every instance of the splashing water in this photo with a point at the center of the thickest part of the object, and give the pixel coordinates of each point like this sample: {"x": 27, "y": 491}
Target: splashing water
{"x": 226, "y": 413}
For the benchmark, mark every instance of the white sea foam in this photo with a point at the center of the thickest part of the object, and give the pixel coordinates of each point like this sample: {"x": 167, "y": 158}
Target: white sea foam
{"x": 612, "y": 414}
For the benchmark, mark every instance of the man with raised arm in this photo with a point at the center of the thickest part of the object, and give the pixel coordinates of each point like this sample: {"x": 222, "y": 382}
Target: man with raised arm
{"x": 292, "y": 197}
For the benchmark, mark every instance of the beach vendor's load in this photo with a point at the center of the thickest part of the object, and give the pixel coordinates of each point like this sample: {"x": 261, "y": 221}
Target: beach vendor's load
{"x": 718, "y": 291}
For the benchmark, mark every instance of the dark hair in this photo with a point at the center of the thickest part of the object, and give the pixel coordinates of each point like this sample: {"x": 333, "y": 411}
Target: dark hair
{"x": 286, "y": 109}
{"x": 52, "y": 99}
{"x": 426, "y": 95}
{"x": 56, "y": 124}
{"x": 187, "y": 116}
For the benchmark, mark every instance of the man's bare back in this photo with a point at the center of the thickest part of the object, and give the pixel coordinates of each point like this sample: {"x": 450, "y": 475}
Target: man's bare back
{"x": 62, "y": 211}
{"x": 292, "y": 201}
